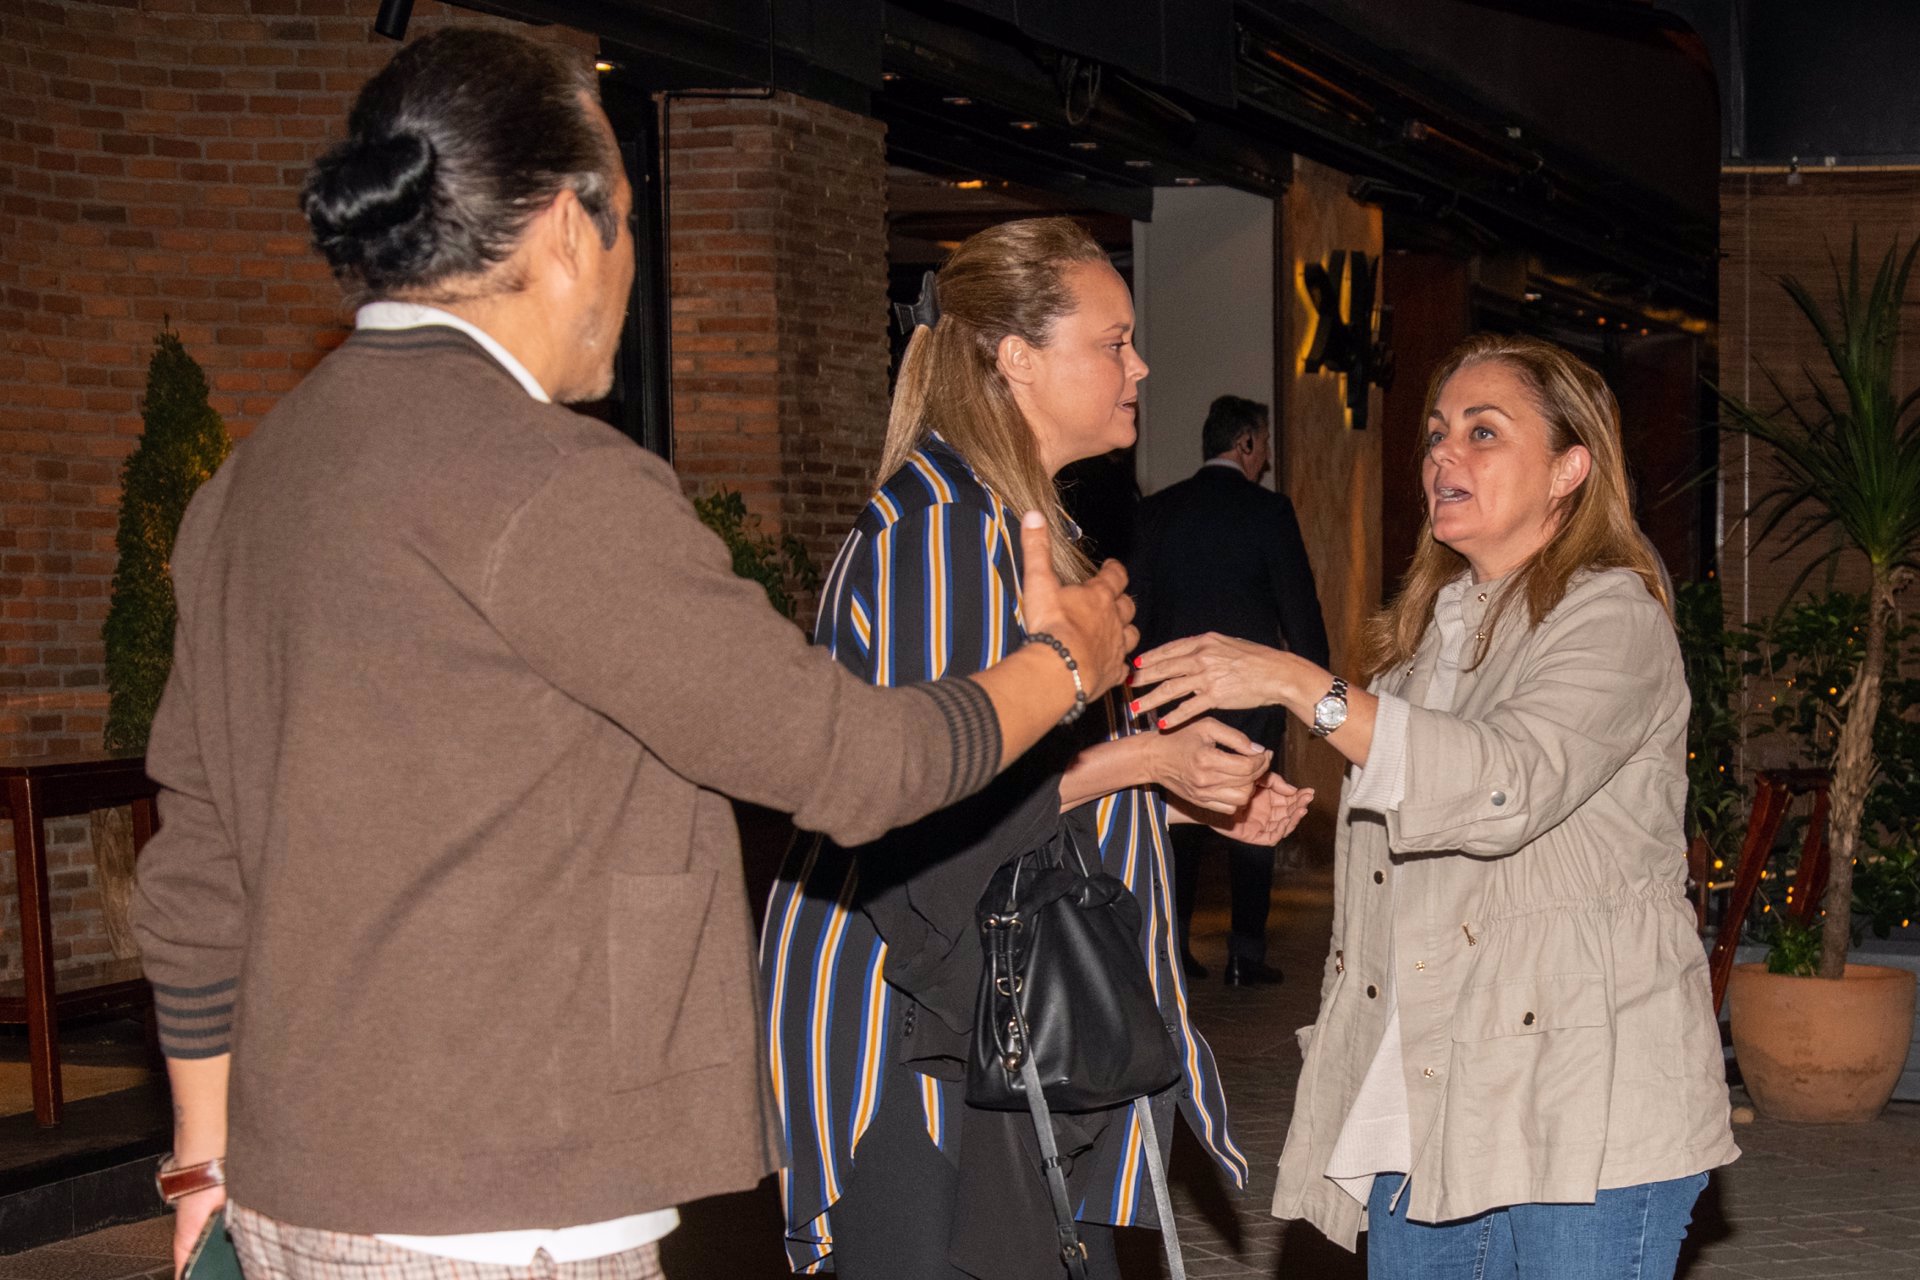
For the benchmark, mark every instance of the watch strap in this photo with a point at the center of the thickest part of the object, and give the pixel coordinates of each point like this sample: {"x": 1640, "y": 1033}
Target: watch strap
{"x": 176, "y": 1182}
{"x": 1339, "y": 692}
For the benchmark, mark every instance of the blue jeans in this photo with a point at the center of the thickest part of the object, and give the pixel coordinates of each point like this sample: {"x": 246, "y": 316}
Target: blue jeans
{"x": 1629, "y": 1233}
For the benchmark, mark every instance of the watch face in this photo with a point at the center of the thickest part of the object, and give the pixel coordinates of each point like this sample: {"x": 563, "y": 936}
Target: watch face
{"x": 1329, "y": 713}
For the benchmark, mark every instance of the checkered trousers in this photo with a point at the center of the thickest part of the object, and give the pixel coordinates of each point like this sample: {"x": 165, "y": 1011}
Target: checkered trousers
{"x": 273, "y": 1250}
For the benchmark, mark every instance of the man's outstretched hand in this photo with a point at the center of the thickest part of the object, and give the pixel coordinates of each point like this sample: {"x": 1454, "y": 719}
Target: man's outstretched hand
{"x": 1094, "y": 619}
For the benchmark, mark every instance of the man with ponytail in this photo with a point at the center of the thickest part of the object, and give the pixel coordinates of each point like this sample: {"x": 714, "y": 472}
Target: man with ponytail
{"x": 444, "y": 916}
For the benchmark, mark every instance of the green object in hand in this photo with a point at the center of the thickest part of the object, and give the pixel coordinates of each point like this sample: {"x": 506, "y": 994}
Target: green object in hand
{"x": 213, "y": 1256}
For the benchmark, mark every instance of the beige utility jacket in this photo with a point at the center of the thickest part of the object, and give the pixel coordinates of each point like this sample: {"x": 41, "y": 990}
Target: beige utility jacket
{"x": 1557, "y": 1026}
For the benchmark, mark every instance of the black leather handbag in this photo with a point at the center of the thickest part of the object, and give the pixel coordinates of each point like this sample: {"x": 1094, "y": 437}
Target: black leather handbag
{"x": 1066, "y": 1018}
{"x": 1063, "y": 960}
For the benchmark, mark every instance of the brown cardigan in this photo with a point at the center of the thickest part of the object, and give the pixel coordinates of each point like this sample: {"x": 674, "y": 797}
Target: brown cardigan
{"x": 459, "y": 684}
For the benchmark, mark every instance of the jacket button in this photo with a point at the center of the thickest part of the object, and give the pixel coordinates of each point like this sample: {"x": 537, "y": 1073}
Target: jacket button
{"x": 1527, "y": 1021}
{"x": 1499, "y": 798}
{"x": 1420, "y": 965}
{"x": 1373, "y": 992}
{"x": 1379, "y": 877}
{"x": 1339, "y": 962}
{"x": 1428, "y": 1073}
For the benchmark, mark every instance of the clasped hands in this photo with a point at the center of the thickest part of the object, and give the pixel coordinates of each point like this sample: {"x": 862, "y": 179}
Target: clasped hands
{"x": 1217, "y": 775}
{"x": 1214, "y": 672}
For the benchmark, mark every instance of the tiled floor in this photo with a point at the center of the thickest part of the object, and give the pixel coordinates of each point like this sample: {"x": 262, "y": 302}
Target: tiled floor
{"x": 1801, "y": 1203}
{"x": 135, "y": 1252}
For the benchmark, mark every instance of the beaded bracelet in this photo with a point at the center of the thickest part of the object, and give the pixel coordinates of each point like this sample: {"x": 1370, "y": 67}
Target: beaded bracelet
{"x": 1073, "y": 669}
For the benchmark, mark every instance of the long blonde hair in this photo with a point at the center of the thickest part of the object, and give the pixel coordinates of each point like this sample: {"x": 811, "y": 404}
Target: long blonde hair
{"x": 1593, "y": 526}
{"x": 1006, "y": 280}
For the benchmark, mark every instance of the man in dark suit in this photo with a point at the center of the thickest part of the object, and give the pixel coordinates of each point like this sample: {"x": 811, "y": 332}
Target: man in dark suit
{"x": 1221, "y": 552}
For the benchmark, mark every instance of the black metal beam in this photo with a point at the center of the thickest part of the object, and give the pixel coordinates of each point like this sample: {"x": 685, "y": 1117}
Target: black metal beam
{"x": 1008, "y": 77}
{"x": 1361, "y": 110}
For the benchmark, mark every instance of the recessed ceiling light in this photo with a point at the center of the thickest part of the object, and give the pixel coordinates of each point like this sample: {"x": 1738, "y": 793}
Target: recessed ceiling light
{"x": 603, "y": 67}
{"x": 969, "y": 184}
{"x": 888, "y": 77}
{"x": 1186, "y": 182}
{"x": 1084, "y": 146}
{"x": 1532, "y": 295}
{"x": 1139, "y": 164}
{"x": 958, "y": 102}
{"x": 1024, "y": 125}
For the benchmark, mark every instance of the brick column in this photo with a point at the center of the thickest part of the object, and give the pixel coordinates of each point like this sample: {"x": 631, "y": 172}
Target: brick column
{"x": 779, "y": 280}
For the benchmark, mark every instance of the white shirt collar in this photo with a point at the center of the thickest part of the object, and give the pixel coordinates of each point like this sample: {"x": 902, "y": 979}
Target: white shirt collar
{"x": 1221, "y": 462}
{"x": 411, "y": 315}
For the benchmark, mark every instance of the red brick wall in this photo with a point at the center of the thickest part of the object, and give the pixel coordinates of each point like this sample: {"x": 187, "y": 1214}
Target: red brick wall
{"x": 779, "y": 284}
{"x": 150, "y": 155}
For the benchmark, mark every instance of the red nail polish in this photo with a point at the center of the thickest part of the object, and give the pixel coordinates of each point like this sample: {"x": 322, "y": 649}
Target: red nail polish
{"x": 1136, "y": 662}
{"x": 1160, "y": 723}
{"x": 1134, "y": 706}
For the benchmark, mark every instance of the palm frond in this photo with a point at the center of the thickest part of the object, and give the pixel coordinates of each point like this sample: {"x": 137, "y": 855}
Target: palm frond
{"x": 1848, "y": 449}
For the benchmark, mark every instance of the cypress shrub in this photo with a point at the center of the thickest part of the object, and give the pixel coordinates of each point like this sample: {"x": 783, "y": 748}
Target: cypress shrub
{"x": 182, "y": 442}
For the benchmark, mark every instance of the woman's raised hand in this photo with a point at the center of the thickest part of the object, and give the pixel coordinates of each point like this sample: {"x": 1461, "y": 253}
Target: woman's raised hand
{"x": 1210, "y": 765}
{"x": 1093, "y": 619}
{"x": 1211, "y": 672}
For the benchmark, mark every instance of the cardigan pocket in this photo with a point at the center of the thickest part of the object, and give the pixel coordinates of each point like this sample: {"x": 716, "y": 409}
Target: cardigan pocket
{"x": 1532, "y": 1064}
{"x": 673, "y": 1006}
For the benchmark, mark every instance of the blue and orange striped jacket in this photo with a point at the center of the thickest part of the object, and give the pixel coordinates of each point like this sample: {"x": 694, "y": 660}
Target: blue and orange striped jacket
{"x": 927, "y": 585}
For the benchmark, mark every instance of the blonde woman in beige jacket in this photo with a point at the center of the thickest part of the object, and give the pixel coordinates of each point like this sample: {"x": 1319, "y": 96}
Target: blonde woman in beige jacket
{"x": 1515, "y": 1071}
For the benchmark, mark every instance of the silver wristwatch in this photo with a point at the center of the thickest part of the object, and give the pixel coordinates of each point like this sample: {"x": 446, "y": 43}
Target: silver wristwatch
{"x": 1331, "y": 711}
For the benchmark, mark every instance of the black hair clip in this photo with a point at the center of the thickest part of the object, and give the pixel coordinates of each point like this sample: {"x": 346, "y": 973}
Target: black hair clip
{"x": 924, "y": 309}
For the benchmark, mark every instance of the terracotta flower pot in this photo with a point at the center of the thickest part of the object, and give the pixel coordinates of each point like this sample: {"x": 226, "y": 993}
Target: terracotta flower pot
{"x": 1818, "y": 1051}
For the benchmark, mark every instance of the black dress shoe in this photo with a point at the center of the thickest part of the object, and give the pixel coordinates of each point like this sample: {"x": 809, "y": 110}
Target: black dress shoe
{"x": 1194, "y": 970}
{"x": 1248, "y": 973}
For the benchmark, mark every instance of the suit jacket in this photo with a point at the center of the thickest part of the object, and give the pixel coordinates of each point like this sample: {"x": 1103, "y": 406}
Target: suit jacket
{"x": 1217, "y": 552}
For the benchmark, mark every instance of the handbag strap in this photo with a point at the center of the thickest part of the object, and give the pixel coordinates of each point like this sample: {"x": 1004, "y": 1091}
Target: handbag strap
{"x": 1072, "y": 1252}
{"x": 1162, "y": 1201}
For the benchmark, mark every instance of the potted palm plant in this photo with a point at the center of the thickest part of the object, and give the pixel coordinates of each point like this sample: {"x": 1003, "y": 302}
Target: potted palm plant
{"x": 1829, "y": 1046}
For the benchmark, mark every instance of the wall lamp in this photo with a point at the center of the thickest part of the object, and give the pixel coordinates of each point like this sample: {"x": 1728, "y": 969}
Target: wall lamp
{"x": 391, "y": 21}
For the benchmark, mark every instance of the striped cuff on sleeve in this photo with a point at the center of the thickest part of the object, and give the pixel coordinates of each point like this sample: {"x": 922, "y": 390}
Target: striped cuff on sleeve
{"x": 974, "y": 729}
{"x": 195, "y": 1022}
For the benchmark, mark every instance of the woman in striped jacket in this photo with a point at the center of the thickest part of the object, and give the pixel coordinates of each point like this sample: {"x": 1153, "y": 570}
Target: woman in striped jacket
{"x": 870, "y": 957}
